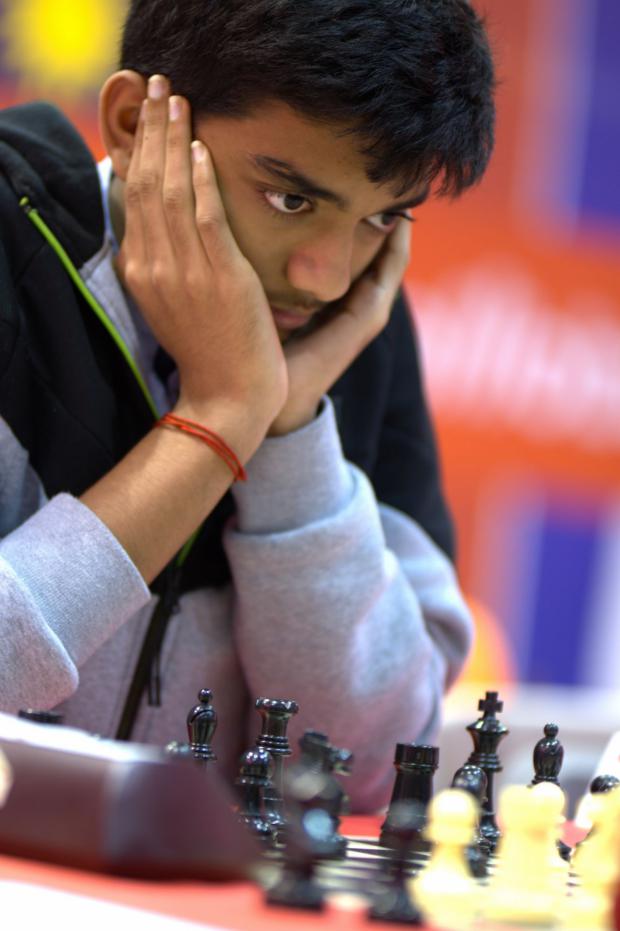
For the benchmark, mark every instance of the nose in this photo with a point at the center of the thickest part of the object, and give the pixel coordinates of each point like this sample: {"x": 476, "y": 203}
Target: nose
{"x": 322, "y": 268}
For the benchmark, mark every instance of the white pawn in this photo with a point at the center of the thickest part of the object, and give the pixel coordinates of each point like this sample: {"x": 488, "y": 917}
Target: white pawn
{"x": 557, "y": 805}
{"x": 445, "y": 889}
{"x": 596, "y": 863}
{"x": 527, "y": 886}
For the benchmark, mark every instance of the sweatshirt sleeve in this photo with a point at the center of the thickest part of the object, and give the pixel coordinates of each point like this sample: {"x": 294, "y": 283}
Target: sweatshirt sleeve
{"x": 66, "y": 585}
{"x": 342, "y": 604}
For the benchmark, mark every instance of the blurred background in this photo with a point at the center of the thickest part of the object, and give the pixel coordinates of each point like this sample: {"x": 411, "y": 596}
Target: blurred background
{"x": 516, "y": 289}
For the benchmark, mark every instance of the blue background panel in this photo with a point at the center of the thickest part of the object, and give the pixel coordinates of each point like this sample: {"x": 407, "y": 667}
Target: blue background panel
{"x": 569, "y": 550}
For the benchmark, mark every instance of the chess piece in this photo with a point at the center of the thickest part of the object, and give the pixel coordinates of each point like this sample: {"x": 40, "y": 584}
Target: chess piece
{"x": 473, "y": 779}
{"x": 557, "y": 806}
{"x": 597, "y": 867}
{"x": 318, "y": 755}
{"x": 445, "y": 889}
{"x": 415, "y": 765}
{"x": 307, "y": 837}
{"x": 341, "y": 764}
{"x": 395, "y": 902}
{"x": 600, "y": 784}
{"x": 201, "y": 725}
{"x": 486, "y": 733}
{"x": 275, "y": 714}
{"x": 528, "y": 886}
{"x": 548, "y": 756}
{"x": 604, "y": 783}
{"x": 255, "y": 770}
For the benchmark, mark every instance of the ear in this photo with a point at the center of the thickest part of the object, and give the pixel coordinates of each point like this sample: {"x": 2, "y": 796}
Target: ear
{"x": 119, "y": 107}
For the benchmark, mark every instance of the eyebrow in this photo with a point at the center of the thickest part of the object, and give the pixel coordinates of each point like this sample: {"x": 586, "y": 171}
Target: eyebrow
{"x": 309, "y": 188}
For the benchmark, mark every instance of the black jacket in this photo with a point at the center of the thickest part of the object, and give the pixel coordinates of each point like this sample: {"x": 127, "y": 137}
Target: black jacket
{"x": 69, "y": 396}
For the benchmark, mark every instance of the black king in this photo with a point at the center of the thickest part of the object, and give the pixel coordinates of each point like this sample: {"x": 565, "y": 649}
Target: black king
{"x": 486, "y": 733}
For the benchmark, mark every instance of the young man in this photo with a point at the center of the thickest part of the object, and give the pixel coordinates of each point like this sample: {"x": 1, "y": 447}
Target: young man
{"x": 235, "y": 261}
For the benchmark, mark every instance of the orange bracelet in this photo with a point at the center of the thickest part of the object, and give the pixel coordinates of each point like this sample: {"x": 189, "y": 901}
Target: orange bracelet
{"x": 207, "y": 436}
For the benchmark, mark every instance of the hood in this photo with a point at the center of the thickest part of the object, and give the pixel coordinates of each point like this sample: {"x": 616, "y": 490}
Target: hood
{"x": 36, "y": 142}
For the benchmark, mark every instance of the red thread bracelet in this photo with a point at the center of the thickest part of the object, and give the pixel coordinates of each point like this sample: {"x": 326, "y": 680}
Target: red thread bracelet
{"x": 207, "y": 436}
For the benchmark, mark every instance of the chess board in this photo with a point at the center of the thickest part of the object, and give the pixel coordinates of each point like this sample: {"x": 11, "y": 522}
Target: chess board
{"x": 356, "y": 880}
{"x": 129, "y": 789}
{"x": 236, "y": 906}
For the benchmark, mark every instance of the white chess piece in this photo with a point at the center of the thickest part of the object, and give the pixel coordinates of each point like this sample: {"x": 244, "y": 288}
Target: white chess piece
{"x": 445, "y": 890}
{"x": 557, "y": 806}
{"x": 596, "y": 863}
{"x": 528, "y": 886}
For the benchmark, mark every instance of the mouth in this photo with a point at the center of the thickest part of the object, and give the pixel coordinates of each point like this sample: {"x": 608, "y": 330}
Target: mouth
{"x": 286, "y": 319}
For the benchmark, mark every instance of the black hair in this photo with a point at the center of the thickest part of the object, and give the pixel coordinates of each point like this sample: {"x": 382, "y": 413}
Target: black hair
{"x": 413, "y": 79}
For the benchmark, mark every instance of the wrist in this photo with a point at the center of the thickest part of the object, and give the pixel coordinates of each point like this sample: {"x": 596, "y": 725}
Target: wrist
{"x": 290, "y": 420}
{"x": 236, "y": 423}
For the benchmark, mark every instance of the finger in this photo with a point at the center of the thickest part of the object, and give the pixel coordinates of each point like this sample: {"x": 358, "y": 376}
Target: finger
{"x": 211, "y": 220}
{"x": 151, "y": 170}
{"x": 133, "y": 239}
{"x": 391, "y": 263}
{"x": 178, "y": 191}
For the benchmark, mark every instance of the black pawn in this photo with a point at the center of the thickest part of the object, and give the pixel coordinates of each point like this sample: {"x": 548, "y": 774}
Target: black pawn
{"x": 486, "y": 733}
{"x": 275, "y": 714}
{"x": 415, "y": 766}
{"x": 604, "y": 783}
{"x": 255, "y": 769}
{"x": 395, "y": 903}
{"x": 548, "y": 757}
{"x": 473, "y": 779}
{"x": 201, "y": 726}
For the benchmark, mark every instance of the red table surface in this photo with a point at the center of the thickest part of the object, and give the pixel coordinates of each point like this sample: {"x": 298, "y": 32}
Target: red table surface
{"x": 235, "y": 906}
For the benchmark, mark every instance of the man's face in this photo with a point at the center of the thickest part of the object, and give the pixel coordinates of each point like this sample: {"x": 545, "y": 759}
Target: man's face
{"x": 300, "y": 206}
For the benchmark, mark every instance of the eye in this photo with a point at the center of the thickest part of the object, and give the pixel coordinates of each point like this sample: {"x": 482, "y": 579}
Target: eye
{"x": 287, "y": 203}
{"x": 386, "y": 222}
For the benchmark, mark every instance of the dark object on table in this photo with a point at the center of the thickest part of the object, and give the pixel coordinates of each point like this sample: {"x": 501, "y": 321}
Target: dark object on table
{"x": 313, "y": 787}
{"x": 473, "y": 779}
{"x": 319, "y": 756}
{"x": 118, "y": 808}
{"x": 395, "y": 903}
{"x": 308, "y": 837}
{"x": 275, "y": 714}
{"x": 604, "y": 783}
{"x": 255, "y": 770}
{"x": 548, "y": 757}
{"x": 201, "y": 727}
{"x": 41, "y": 717}
{"x": 415, "y": 766}
{"x": 486, "y": 733}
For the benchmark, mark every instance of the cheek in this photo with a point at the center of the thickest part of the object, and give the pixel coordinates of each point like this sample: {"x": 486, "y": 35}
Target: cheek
{"x": 247, "y": 223}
